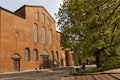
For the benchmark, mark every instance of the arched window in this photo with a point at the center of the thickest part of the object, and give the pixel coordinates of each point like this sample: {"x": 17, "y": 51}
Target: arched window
{"x": 43, "y": 35}
{"x": 35, "y": 54}
{"x": 44, "y": 52}
{"x": 50, "y": 38}
{"x": 52, "y": 55}
{"x": 35, "y": 33}
{"x": 57, "y": 56}
{"x": 48, "y": 20}
{"x": 37, "y": 15}
{"x": 43, "y": 18}
{"x": 27, "y": 54}
{"x": 15, "y": 56}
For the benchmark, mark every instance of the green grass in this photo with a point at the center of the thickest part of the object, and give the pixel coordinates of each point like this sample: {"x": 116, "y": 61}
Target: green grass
{"x": 91, "y": 71}
{"x": 111, "y": 63}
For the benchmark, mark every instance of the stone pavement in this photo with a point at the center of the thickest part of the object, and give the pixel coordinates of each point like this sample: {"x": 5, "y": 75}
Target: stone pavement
{"x": 62, "y": 74}
{"x": 112, "y": 71}
{"x": 113, "y": 74}
{"x": 36, "y": 75}
{"x": 94, "y": 77}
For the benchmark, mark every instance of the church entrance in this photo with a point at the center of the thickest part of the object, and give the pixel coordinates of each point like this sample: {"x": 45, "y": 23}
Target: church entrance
{"x": 45, "y": 59}
{"x": 16, "y": 62}
{"x": 45, "y": 62}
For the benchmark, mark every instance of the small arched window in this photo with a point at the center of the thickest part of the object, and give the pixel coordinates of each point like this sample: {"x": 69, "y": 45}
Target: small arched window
{"x": 35, "y": 54}
{"x": 50, "y": 38}
{"x": 35, "y": 33}
{"x": 43, "y": 35}
{"x": 27, "y": 54}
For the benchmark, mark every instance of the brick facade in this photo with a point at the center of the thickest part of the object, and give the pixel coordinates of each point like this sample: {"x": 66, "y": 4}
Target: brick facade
{"x": 16, "y": 35}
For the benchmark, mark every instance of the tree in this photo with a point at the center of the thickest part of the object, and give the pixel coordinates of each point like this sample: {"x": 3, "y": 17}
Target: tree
{"x": 93, "y": 23}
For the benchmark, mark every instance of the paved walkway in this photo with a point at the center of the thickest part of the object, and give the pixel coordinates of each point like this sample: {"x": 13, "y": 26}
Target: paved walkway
{"x": 113, "y": 74}
{"x": 63, "y": 74}
{"x": 112, "y": 71}
{"x": 94, "y": 77}
{"x": 36, "y": 75}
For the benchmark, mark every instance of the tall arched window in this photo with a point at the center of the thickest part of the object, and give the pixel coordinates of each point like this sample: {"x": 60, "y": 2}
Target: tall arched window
{"x": 35, "y": 54}
{"x": 57, "y": 56}
{"x": 50, "y": 38}
{"x": 37, "y": 15}
{"x": 27, "y": 54}
{"x": 43, "y": 18}
{"x": 48, "y": 21}
{"x": 35, "y": 33}
{"x": 52, "y": 55}
{"x": 43, "y": 35}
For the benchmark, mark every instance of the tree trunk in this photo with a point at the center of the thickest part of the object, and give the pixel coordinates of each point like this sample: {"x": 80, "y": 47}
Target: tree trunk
{"x": 79, "y": 61}
{"x": 97, "y": 56}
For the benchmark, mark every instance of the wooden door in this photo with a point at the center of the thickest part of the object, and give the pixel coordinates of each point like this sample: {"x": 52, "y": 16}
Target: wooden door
{"x": 45, "y": 62}
{"x": 61, "y": 62}
{"x": 16, "y": 64}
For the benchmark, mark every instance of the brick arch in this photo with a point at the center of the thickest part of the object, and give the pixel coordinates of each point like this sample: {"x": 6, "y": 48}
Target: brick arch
{"x": 16, "y": 55}
{"x": 44, "y": 52}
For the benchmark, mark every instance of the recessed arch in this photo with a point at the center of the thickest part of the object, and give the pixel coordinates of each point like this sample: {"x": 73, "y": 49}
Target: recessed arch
{"x": 44, "y": 52}
{"x": 16, "y": 62}
{"x": 16, "y": 56}
{"x": 45, "y": 59}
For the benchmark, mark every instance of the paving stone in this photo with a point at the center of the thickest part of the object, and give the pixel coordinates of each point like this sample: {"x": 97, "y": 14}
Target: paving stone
{"x": 61, "y": 75}
{"x": 116, "y": 75}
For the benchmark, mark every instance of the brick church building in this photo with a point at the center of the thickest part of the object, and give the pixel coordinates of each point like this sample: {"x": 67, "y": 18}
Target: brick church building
{"x": 29, "y": 41}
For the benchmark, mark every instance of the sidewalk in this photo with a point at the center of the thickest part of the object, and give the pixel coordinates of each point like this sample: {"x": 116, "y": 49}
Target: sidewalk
{"x": 112, "y": 71}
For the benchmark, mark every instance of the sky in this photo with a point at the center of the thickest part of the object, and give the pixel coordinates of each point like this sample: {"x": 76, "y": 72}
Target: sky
{"x": 50, "y": 5}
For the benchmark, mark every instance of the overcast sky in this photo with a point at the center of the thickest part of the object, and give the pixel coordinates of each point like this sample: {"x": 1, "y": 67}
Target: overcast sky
{"x": 50, "y": 5}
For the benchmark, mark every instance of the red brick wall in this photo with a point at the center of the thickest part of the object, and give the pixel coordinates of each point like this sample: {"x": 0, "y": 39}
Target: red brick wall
{"x": 10, "y": 23}
{"x": 69, "y": 58}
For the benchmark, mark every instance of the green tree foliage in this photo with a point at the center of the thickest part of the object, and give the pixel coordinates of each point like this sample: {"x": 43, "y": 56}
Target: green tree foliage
{"x": 93, "y": 24}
